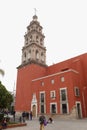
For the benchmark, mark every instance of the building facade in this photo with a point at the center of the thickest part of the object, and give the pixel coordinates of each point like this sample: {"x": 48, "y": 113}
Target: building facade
{"x": 59, "y": 89}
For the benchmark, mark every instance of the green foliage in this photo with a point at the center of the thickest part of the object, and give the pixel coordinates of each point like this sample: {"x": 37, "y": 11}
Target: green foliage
{"x": 1, "y": 116}
{"x": 2, "y": 72}
{"x": 5, "y": 97}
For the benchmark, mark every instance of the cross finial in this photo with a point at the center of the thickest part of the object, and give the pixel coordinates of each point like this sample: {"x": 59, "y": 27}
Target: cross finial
{"x": 35, "y": 10}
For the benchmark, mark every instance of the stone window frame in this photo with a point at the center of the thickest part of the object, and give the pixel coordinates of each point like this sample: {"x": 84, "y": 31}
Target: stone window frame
{"x": 53, "y": 94}
{"x": 77, "y": 91}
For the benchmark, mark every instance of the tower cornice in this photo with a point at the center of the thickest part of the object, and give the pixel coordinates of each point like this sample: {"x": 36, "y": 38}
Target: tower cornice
{"x": 34, "y": 44}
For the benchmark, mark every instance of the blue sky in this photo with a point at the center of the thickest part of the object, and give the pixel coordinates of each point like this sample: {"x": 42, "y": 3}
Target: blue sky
{"x": 64, "y": 26}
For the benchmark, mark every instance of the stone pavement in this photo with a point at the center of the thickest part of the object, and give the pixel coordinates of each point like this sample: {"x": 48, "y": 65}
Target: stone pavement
{"x": 59, "y": 124}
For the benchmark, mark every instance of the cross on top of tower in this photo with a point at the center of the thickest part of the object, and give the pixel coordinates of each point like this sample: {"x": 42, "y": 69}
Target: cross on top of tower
{"x": 35, "y": 10}
{"x": 35, "y": 17}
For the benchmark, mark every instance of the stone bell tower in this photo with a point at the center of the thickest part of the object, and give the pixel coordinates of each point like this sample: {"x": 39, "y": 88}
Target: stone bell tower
{"x": 33, "y": 65}
{"x": 33, "y": 50}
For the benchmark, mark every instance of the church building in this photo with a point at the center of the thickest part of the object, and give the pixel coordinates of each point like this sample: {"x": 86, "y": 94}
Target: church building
{"x": 58, "y": 89}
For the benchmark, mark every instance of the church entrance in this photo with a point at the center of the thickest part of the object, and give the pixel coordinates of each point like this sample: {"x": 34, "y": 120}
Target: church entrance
{"x": 34, "y": 105}
{"x": 34, "y": 110}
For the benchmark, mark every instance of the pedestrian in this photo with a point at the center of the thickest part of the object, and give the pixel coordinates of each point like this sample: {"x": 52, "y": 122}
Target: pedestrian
{"x": 20, "y": 119}
{"x": 4, "y": 123}
{"x": 31, "y": 115}
{"x": 27, "y": 115}
{"x": 50, "y": 120}
{"x": 23, "y": 116}
{"x": 42, "y": 119}
{"x": 14, "y": 115}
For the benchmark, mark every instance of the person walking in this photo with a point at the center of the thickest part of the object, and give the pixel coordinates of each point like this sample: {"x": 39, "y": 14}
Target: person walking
{"x": 23, "y": 116}
{"x": 50, "y": 120}
{"x": 31, "y": 115}
{"x": 14, "y": 115}
{"x": 42, "y": 119}
{"x": 4, "y": 123}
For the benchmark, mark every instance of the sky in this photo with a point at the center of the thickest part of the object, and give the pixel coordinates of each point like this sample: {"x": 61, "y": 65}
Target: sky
{"x": 64, "y": 25}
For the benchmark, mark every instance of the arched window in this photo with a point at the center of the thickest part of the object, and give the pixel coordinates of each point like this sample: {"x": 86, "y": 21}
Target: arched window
{"x": 25, "y": 55}
{"x": 30, "y": 38}
{"x": 42, "y": 56}
{"x": 26, "y": 40}
{"x": 29, "y": 54}
{"x": 37, "y": 55}
{"x": 37, "y": 38}
{"x": 41, "y": 41}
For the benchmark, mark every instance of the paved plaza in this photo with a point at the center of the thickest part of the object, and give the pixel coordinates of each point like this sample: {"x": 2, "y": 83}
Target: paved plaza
{"x": 59, "y": 124}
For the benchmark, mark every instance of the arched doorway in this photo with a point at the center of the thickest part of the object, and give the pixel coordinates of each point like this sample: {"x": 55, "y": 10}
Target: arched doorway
{"x": 34, "y": 105}
{"x": 34, "y": 110}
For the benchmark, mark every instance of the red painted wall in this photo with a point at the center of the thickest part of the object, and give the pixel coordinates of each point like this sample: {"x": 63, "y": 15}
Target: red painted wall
{"x": 24, "y": 85}
{"x": 74, "y": 71}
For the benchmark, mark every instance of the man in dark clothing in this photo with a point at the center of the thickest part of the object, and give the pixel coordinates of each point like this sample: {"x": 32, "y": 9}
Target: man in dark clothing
{"x": 23, "y": 116}
{"x": 41, "y": 120}
{"x": 14, "y": 115}
{"x": 4, "y": 123}
{"x": 31, "y": 115}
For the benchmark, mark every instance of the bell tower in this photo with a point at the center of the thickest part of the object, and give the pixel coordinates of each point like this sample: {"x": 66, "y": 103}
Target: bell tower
{"x": 33, "y": 50}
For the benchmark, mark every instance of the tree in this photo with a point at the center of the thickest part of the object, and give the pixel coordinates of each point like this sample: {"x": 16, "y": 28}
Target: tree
{"x": 5, "y": 97}
{"x": 2, "y": 72}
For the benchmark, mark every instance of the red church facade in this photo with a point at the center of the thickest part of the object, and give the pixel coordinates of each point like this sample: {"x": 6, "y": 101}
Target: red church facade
{"x": 59, "y": 89}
